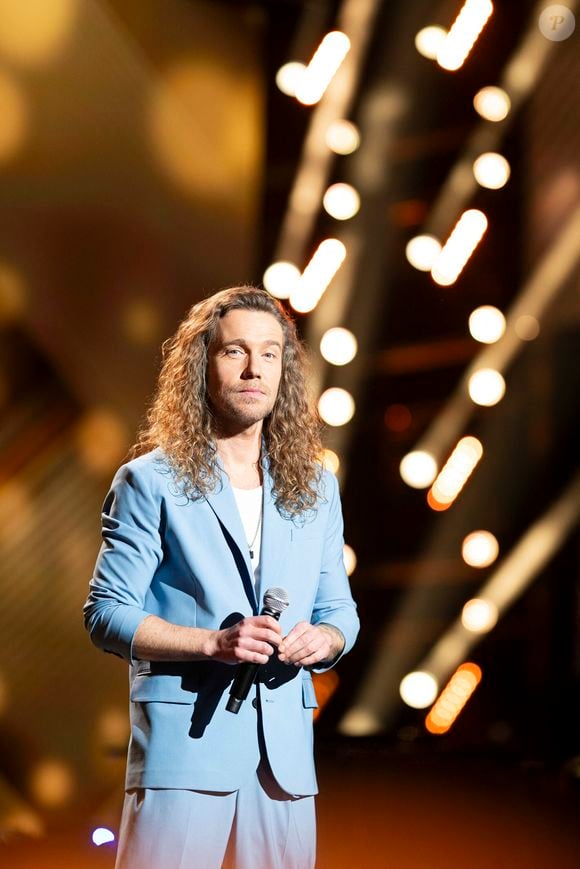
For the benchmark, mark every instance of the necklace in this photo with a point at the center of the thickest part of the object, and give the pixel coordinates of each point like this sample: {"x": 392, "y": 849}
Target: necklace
{"x": 255, "y": 537}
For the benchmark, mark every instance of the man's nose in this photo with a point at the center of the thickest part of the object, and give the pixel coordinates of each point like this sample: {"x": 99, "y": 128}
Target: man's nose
{"x": 253, "y": 366}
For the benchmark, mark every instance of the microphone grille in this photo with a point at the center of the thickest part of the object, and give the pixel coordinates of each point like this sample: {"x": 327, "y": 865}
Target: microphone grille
{"x": 276, "y": 599}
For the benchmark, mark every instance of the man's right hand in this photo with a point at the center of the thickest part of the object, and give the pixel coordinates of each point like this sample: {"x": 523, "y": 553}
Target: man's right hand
{"x": 253, "y": 640}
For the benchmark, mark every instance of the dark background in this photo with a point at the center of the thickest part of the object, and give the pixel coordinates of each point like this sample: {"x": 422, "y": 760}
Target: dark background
{"x": 147, "y": 159}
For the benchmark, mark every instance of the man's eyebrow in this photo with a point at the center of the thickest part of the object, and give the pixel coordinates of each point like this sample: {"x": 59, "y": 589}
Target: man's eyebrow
{"x": 244, "y": 343}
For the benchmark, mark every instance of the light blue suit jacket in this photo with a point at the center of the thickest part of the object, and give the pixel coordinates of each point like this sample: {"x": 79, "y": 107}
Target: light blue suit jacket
{"x": 187, "y": 561}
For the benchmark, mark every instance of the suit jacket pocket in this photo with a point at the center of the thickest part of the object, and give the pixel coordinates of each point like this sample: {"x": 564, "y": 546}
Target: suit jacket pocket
{"x": 160, "y": 687}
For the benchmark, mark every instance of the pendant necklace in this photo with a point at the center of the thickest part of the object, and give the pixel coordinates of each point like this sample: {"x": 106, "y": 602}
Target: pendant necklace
{"x": 251, "y": 545}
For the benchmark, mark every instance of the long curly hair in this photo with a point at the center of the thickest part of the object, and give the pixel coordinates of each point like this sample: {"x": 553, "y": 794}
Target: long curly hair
{"x": 180, "y": 421}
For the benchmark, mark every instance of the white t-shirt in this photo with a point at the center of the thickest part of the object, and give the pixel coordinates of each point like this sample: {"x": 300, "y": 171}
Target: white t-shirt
{"x": 249, "y": 503}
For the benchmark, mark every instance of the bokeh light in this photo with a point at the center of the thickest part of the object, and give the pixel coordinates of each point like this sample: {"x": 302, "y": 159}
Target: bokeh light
{"x": 35, "y": 31}
{"x": 102, "y": 439}
{"x": 52, "y": 783}
{"x": 491, "y": 170}
{"x": 429, "y": 40}
{"x": 342, "y": 137}
{"x": 419, "y": 689}
{"x": 341, "y": 201}
{"x": 486, "y": 387}
{"x": 527, "y": 327}
{"x": 418, "y": 469}
{"x": 422, "y": 251}
{"x": 480, "y": 549}
{"x": 349, "y": 557}
{"x": 330, "y": 460}
{"x": 281, "y": 279}
{"x": 102, "y": 836}
{"x": 14, "y": 113}
{"x": 486, "y": 324}
{"x": 492, "y": 103}
{"x": 338, "y": 346}
{"x": 289, "y": 76}
{"x": 479, "y": 615}
{"x": 322, "y": 68}
{"x": 336, "y": 406}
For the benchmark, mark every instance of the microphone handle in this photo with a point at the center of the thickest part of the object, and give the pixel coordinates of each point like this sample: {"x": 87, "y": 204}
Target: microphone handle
{"x": 246, "y": 675}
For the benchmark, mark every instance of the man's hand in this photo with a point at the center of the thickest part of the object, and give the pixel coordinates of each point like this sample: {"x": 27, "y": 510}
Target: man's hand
{"x": 253, "y": 640}
{"x": 308, "y": 644}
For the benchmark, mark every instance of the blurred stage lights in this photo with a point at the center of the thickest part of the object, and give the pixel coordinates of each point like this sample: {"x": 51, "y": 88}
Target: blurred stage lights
{"x": 102, "y": 836}
{"x": 419, "y": 689}
{"x": 349, "y": 558}
{"x": 281, "y": 278}
{"x": 325, "y": 262}
{"x": 52, "y": 783}
{"x": 288, "y": 77}
{"x": 429, "y": 40}
{"x": 336, "y": 406}
{"x": 322, "y": 68}
{"x": 453, "y": 698}
{"x": 418, "y": 469}
{"x": 486, "y": 324}
{"x": 486, "y": 387}
{"x": 491, "y": 170}
{"x": 527, "y": 327}
{"x": 422, "y": 251}
{"x": 341, "y": 201}
{"x": 463, "y": 33}
{"x": 342, "y": 137}
{"x": 464, "y": 238}
{"x": 455, "y": 473}
{"x": 492, "y": 103}
{"x": 480, "y": 549}
{"x": 479, "y": 615}
{"x": 15, "y": 116}
{"x": 36, "y": 33}
{"x": 338, "y": 346}
{"x": 330, "y": 460}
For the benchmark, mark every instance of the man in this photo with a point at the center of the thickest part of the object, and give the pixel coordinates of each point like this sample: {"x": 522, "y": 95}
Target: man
{"x": 225, "y": 499}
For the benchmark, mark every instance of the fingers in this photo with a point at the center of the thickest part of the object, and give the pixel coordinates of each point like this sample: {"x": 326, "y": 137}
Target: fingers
{"x": 252, "y": 640}
{"x": 305, "y": 645}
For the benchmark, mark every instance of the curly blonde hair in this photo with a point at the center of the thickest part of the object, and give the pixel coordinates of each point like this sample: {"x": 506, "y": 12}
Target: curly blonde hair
{"x": 179, "y": 420}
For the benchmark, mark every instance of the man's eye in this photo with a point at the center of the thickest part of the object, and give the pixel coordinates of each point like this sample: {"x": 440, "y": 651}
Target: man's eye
{"x": 233, "y": 351}
{"x": 269, "y": 355}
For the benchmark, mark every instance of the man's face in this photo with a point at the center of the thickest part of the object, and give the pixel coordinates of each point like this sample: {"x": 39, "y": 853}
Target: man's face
{"x": 244, "y": 368}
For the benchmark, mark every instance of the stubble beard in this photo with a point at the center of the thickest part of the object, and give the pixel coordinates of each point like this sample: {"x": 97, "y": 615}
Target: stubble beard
{"x": 242, "y": 411}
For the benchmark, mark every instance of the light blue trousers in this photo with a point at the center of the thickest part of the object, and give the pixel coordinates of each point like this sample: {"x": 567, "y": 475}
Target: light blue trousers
{"x": 259, "y": 826}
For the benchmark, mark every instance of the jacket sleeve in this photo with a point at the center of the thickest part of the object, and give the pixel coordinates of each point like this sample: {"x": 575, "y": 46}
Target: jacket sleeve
{"x": 130, "y": 554}
{"x": 334, "y": 604}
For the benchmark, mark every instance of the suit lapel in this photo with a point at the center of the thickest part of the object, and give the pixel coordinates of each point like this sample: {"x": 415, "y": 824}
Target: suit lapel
{"x": 276, "y": 538}
{"x": 223, "y": 503}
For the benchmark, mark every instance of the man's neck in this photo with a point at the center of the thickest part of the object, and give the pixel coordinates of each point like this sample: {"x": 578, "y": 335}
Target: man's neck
{"x": 240, "y": 454}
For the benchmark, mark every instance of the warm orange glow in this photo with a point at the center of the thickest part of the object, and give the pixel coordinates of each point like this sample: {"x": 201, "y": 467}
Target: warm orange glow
{"x": 325, "y": 684}
{"x": 453, "y": 698}
{"x": 36, "y": 31}
{"x": 205, "y": 141}
{"x": 15, "y": 117}
{"x": 435, "y": 504}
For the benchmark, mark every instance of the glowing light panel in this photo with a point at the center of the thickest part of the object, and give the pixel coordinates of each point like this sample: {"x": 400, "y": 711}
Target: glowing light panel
{"x": 322, "y": 68}
{"x": 463, "y": 33}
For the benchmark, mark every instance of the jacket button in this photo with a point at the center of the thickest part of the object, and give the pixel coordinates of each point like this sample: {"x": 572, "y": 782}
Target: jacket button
{"x": 255, "y": 702}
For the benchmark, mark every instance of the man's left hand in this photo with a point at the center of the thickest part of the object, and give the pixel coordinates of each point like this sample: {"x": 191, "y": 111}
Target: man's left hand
{"x": 307, "y": 645}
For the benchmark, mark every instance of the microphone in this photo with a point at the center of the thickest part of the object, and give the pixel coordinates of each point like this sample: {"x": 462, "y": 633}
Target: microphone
{"x": 275, "y": 602}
